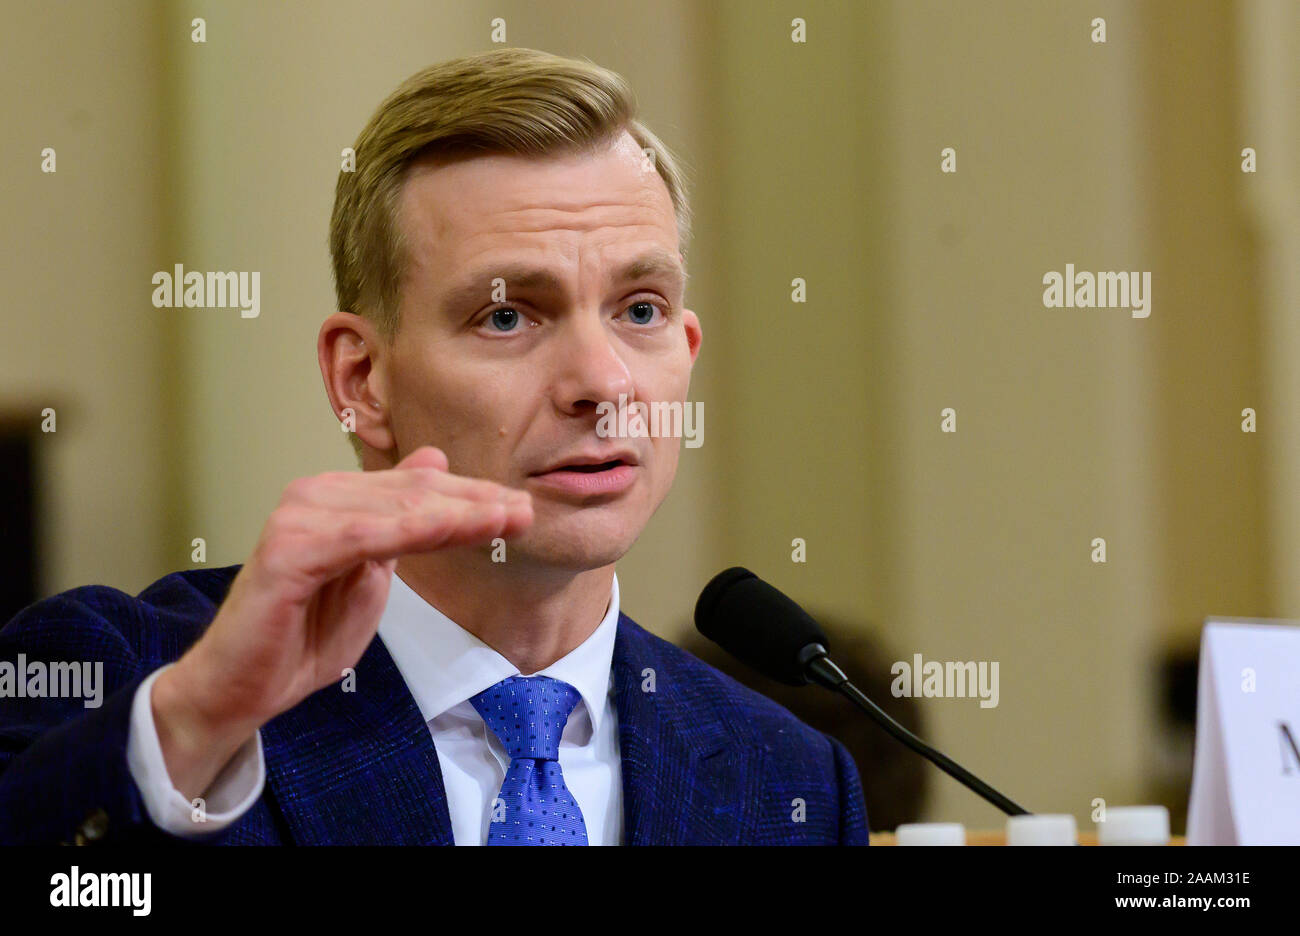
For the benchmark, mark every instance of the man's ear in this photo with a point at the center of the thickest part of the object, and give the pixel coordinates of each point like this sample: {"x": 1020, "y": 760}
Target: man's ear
{"x": 694, "y": 334}
{"x": 351, "y": 355}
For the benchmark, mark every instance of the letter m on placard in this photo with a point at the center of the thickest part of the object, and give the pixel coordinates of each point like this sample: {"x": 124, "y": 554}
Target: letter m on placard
{"x": 1290, "y": 750}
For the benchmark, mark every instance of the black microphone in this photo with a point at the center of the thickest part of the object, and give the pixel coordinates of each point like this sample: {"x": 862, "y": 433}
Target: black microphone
{"x": 760, "y": 626}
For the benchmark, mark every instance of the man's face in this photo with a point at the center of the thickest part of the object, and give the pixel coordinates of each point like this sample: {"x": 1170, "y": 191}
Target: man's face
{"x": 585, "y": 249}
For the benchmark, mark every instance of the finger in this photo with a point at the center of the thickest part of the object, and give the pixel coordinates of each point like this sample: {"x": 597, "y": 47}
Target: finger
{"x": 311, "y": 546}
{"x": 357, "y": 601}
{"x": 396, "y": 490}
{"x": 456, "y": 522}
{"x": 454, "y": 485}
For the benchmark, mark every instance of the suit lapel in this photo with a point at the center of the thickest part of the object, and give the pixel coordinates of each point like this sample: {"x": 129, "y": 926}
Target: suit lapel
{"x": 358, "y": 767}
{"x": 686, "y": 780}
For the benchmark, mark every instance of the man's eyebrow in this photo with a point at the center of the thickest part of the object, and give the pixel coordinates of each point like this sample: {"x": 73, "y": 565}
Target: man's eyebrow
{"x": 653, "y": 264}
{"x": 477, "y": 287}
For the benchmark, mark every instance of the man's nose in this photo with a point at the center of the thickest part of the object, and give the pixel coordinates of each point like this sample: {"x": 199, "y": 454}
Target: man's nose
{"x": 590, "y": 369}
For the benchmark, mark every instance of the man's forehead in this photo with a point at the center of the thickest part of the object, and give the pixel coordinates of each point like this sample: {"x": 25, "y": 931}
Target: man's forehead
{"x": 446, "y": 202}
{"x": 526, "y": 221}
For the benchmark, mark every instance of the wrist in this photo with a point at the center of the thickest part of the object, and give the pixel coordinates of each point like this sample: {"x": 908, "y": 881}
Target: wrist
{"x": 196, "y": 737}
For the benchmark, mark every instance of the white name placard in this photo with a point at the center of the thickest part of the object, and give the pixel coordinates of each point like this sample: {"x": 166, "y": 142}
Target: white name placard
{"x": 1246, "y": 778}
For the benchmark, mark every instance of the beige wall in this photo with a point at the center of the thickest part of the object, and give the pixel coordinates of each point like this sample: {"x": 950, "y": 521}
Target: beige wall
{"x": 1211, "y": 508}
{"x": 77, "y": 250}
{"x": 924, "y": 293}
{"x": 1052, "y": 404}
{"x": 818, "y": 161}
{"x": 1268, "y": 56}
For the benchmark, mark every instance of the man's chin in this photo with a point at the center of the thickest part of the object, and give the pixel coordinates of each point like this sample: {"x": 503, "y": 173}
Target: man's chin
{"x": 575, "y": 543}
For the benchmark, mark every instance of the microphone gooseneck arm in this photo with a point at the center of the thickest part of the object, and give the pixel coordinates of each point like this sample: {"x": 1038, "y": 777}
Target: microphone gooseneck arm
{"x": 823, "y": 671}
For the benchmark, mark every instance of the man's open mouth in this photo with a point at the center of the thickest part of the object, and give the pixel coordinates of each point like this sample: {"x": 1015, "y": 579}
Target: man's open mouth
{"x": 592, "y": 462}
{"x": 592, "y": 469}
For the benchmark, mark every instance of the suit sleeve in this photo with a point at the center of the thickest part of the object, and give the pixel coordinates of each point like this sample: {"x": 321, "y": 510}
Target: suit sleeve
{"x": 64, "y": 774}
{"x": 853, "y": 808}
{"x": 231, "y": 795}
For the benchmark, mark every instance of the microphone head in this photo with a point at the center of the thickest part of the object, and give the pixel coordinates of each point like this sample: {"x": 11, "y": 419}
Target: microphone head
{"x": 758, "y": 625}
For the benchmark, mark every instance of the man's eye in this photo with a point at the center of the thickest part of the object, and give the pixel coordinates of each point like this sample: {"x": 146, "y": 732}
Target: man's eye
{"x": 642, "y": 312}
{"x": 504, "y": 320}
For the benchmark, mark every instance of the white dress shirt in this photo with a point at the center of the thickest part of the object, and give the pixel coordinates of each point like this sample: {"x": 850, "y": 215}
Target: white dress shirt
{"x": 443, "y": 666}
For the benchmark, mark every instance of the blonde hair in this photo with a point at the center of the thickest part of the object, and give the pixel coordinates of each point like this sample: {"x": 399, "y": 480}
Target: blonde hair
{"x": 507, "y": 101}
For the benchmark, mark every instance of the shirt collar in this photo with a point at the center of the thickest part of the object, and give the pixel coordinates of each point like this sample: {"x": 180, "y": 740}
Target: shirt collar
{"x": 444, "y": 665}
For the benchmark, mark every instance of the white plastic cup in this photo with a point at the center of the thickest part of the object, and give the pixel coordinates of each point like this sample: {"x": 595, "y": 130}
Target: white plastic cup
{"x": 1042, "y": 830}
{"x": 930, "y": 833}
{"x": 1134, "y": 825}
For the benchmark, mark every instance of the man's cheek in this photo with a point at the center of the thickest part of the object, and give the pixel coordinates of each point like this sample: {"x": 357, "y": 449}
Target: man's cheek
{"x": 666, "y": 453}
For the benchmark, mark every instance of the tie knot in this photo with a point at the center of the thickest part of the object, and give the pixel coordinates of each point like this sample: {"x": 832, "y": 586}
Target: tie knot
{"x": 528, "y": 714}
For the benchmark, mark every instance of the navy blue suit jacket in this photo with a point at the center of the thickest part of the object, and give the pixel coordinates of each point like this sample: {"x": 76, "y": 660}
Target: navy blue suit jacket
{"x": 705, "y": 760}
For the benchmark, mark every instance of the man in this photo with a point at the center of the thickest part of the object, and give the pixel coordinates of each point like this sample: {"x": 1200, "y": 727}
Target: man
{"x": 508, "y": 258}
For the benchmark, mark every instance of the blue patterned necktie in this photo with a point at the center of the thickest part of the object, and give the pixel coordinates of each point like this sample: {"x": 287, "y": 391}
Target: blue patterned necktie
{"x": 528, "y": 714}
